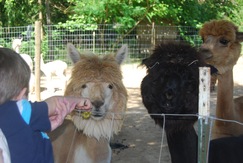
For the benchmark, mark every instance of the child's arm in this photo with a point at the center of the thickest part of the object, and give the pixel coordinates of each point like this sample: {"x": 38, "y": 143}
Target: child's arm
{"x": 59, "y": 107}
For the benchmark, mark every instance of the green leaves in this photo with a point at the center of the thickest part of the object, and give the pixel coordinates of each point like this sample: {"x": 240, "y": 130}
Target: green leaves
{"x": 127, "y": 13}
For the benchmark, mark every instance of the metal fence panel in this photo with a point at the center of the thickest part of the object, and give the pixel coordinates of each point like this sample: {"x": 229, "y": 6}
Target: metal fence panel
{"x": 100, "y": 39}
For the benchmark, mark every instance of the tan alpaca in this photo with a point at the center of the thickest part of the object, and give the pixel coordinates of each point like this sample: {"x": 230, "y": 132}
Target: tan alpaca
{"x": 86, "y": 139}
{"x": 221, "y": 48}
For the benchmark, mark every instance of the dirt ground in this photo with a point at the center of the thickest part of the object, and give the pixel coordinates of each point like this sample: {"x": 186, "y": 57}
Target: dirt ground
{"x": 140, "y": 140}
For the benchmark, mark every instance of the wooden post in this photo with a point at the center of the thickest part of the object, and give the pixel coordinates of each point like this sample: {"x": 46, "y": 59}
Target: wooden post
{"x": 204, "y": 113}
{"x": 41, "y": 17}
{"x": 37, "y": 59}
{"x": 152, "y": 36}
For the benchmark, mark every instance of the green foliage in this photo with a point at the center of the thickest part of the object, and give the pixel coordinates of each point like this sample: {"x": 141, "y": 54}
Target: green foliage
{"x": 170, "y": 12}
{"x": 24, "y": 12}
{"x": 125, "y": 13}
{"x": 44, "y": 47}
{"x": 54, "y": 46}
{"x": 17, "y": 13}
{"x": 192, "y": 13}
{"x": 28, "y": 46}
{"x": 58, "y": 11}
{"x": 237, "y": 15}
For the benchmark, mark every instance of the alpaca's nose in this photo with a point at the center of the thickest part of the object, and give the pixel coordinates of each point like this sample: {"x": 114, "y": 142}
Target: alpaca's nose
{"x": 169, "y": 94}
{"x": 205, "y": 52}
{"x": 97, "y": 104}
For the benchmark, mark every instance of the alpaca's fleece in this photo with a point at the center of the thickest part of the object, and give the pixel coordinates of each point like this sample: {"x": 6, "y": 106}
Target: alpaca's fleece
{"x": 220, "y": 47}
{"x": 99, "y": 72}
{"x": 219, "y": 28}
{"x": 171, "y": 85}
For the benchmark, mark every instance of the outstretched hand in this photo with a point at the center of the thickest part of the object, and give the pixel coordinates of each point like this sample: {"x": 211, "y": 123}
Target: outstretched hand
{"x": 84, "y": 105}
{"x": 60, "y": 106}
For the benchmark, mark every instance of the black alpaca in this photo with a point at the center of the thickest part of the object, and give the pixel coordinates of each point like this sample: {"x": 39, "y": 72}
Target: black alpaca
{"x": 171, "y": 87}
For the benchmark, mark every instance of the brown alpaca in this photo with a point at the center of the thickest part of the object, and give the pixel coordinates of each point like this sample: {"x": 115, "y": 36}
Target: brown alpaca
{"x": 86, "y": 138}
{"x": 221, "y": 48}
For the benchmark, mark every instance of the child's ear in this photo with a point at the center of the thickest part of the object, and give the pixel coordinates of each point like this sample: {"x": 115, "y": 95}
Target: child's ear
{"x": 22, "y": 94}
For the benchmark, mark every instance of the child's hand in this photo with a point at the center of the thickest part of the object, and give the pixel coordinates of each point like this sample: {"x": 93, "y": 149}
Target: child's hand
{"x": 85, "y": 104}
{"x": 59, "y": 107}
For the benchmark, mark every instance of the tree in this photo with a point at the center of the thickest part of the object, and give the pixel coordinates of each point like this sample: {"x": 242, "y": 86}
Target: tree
{"x": 130, "y": 12}
{"x": 237, "y": 15}
{"x": 25, "y": 12}
{"x": 17, "y": 13}
{"x": 127, "y": 13}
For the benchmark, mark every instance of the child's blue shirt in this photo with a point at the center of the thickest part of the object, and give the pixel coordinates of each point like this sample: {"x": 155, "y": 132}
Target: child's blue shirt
{"x": 24, "y": 123}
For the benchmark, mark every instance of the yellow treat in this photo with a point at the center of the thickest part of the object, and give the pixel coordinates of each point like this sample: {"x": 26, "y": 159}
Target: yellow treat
{"x": 86, "y": 115}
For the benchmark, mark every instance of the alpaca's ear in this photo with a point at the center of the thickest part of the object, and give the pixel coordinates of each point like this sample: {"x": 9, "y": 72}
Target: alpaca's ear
{"x": 239, "y": 36}
{"x": 73, "y": 53}
{"x": 122, "y": 54}
{"x": 144, "y": 62}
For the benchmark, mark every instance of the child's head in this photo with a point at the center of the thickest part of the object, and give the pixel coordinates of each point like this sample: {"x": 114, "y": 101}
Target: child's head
{"x": 14, "y": 75}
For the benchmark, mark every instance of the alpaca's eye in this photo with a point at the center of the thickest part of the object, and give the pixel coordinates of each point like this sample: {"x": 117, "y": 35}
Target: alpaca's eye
{"x": 224, "y": 41}
{"x": 84, "y": 86}
{"x": 110, "y": 86}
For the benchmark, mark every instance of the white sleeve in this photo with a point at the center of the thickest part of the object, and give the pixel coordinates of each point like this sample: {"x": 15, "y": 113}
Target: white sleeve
{"x": 4, "y": 148}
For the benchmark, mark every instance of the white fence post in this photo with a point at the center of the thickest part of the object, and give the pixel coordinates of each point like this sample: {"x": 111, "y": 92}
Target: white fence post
{"x": 204, "y": 113}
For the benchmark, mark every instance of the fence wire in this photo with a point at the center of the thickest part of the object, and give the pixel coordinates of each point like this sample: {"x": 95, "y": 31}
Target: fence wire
{"x": 100, "y": 39}
{"x": 161, "y": 156}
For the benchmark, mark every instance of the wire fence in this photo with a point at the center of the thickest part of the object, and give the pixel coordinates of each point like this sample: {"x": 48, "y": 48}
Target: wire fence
{"x": 154, "y": 148}
{"x": 100, "y": 39}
